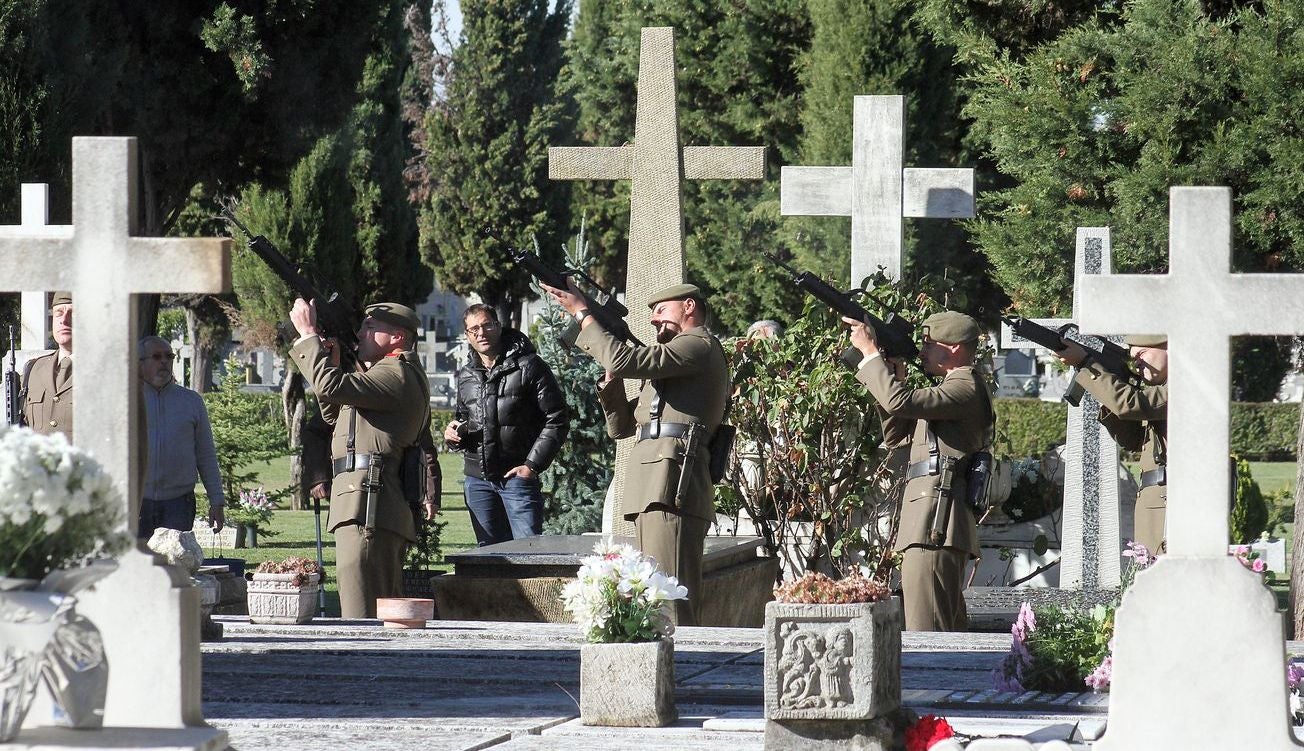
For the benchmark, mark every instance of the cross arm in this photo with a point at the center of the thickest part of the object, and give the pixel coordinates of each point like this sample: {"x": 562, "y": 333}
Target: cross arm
{"x": 196, "y": 264}
{"x": 724, "y": 162}
{"x": 815, "y": 191}
{"x": 590, "y": 162}
{"x": 35, "y": 262}
{"x": 933, "y": 193}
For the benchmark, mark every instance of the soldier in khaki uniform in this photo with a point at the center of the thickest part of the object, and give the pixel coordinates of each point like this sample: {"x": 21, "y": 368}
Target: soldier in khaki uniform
{"x": 1137, "y": 418}
{"x": 685, "y": 383}
{"x": 47, "y": 386}
{"x": 377, "y": 413}
{"x": 944, "y": 426}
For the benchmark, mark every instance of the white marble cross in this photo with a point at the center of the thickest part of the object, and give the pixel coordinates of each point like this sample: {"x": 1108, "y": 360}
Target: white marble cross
{"x": 877, "y": 191}
{"x": 1090, "y": 553}
{"x": 35, "y": 318}
{"x": 146, "y": 615}
{"x": 1199, "y": 656}
{"x": 654, "y": 168}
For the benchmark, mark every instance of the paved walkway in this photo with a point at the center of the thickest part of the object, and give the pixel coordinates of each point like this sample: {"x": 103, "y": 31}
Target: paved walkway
{"x": 464, "y": 685}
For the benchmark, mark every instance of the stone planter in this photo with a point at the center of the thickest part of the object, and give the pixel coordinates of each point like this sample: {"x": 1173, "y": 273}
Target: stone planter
{"x": 832, "y": 662}
{"x": 276, "y": 599}
{"x": 833, "y": 676}
{"x": 405, "y": 612}
{"x": 628, "y": 685}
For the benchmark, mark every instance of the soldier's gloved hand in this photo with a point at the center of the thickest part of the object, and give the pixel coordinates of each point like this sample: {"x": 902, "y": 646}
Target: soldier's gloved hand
{"x": 332, "y": 347}
{"x": 304, "y": 317}
{"x": 321, "y": 491}
{"x": 567, "y": 298}
{"x": 898, "y": 368}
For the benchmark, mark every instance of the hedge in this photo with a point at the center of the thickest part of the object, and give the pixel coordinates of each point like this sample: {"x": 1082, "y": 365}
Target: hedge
{"x": 1259, "y": 431}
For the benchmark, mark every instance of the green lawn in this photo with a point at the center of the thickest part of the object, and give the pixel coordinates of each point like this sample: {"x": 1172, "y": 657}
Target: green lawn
{"x": 295, "y": 530}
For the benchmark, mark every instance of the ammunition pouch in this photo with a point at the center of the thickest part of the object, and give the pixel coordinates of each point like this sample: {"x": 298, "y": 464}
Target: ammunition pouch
{"x": 720, "y": 448}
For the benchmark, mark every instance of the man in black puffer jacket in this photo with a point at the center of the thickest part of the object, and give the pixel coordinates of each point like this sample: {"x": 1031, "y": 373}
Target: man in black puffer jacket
{"x": 511, "y": 421}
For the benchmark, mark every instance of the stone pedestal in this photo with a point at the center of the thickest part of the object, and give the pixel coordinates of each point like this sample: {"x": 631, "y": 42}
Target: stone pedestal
{"x": 628, "y": 685}
{"x": 276, "y": 598}
{"x": 521, "y": 580}
{"x": 880, "y": 734}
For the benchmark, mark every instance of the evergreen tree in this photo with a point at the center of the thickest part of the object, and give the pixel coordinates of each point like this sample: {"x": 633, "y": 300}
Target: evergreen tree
{"x": 487, "y": 148}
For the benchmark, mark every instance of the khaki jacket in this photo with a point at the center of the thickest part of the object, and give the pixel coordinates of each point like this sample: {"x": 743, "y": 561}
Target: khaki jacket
{"x": 1137, "y": 418}
{"x": 960, "y": 412}
{"x": 692, "y": 376}
{"x": 46, "y": 409}
{"x": 391, "y": 404}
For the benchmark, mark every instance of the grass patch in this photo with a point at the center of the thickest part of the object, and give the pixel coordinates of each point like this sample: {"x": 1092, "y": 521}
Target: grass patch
{"x": 295, "y": 530}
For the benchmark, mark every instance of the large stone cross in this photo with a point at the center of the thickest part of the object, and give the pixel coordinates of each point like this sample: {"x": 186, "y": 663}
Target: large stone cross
{"x": 877, "y": 191}
{"x": 655, "y": 166}
{"x": 1090, "y": 552}
{"x": 147, "y": 615}
{"x": 1197, "y": 619}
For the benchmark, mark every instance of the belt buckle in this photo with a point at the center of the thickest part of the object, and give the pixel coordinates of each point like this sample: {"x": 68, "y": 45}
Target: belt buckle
{"x": 654, "y": 429}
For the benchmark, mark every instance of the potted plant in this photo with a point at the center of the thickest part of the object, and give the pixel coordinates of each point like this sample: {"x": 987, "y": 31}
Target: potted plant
{"x": 284, "y": 592}
{"x": 627, "y": 670}
{"x": 59, "y": 514}
{"x": 422, "y": 555}
{"x": 833, "y": 657}
{"x": 251, "y": 513}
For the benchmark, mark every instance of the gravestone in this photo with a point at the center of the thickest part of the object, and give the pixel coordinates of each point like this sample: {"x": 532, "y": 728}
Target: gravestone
{"x": 1198, "y": 648}
{"x": 877, "y": 191}
{"x": 1090, "y": 551}
{"x": 147, "y": 614}
{"x": 521, "y": 580}
{"x": 655, "y": 166}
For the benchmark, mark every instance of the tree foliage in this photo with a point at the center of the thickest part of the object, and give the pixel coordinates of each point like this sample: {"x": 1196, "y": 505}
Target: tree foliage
{"x": 486, "y": 146}
{"x": 247, "y": 428}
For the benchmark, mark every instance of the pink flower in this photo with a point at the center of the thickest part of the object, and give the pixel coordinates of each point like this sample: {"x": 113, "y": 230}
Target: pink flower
{"x": 1258, "y": 566}
{"x": 1294, "y": 675}
{"x": 1100, "y": 678}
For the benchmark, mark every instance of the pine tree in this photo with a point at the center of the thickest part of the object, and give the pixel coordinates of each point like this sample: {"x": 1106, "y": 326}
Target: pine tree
{"x": 487, "y": 148}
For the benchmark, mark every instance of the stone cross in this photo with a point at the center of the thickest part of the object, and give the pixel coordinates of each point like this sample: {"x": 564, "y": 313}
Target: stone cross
{"x": 146, "y": 614}
{"x": 655, "y": 165}
{"x": 35, "y": 318}
{"x": 1090, "y": 553}
{"x": 1197, "y": 618}
{"x": 877, "y": 191}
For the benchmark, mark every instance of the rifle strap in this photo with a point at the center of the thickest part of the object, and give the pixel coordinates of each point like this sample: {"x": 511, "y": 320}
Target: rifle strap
{"x": 350, "y": 452}
{"x": 653, "y": 429}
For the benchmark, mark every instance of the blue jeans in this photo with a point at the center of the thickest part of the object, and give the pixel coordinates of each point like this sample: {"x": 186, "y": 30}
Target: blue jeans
{"x": 503, "y": 510}
{"x": 172, "y": 513}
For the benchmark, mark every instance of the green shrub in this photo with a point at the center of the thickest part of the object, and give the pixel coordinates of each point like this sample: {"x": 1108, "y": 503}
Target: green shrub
{"x": 1249, "y": 511}
{"x": 1027, "y": 427}
{"x": 1264, "y": 431}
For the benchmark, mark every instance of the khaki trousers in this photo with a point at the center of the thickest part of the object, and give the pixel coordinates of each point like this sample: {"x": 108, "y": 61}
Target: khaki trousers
{"x": 367, "y": 569}
{"x": 676, "y": 542}
{"x": 1148, "y": 522}
{"x": 932, "y": 585}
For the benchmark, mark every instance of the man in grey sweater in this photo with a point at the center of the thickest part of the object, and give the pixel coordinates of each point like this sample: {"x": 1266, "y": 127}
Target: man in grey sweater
{"x": 180, "y": 447}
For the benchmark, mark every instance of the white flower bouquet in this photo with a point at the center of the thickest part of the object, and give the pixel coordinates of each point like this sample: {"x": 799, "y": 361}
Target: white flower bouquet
{"x": 620, "y": 596}
{"x": 58, "y": 507}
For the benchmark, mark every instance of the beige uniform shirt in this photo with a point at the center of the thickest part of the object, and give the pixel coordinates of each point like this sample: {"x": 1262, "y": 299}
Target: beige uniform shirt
{"x": 47, "y": 409}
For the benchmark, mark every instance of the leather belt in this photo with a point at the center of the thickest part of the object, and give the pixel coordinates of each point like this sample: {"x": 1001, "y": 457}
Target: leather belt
{"x": 1156, "y": 476}
{"x": 360, "y": 461}
{"x": 663, "y": 430}
{"x": 922, "y": 468}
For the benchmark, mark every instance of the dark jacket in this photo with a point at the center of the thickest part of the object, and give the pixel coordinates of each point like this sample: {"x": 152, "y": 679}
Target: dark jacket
{"x": 516, "y": 411}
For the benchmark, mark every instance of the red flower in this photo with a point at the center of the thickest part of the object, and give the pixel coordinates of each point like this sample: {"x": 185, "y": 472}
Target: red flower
{"x": 928, "y": 730}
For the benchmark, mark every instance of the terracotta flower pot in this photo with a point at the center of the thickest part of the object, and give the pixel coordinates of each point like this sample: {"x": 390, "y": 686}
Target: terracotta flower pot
{"x": 405, "y": 612}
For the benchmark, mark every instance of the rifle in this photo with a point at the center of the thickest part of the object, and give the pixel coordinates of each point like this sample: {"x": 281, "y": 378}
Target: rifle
{"x": 609, "y": 312}
{"x": 13, "y": 389}
{"x": 336, "y": 317}
{"x": 1112, "y": 357}
{"x": 895, "y": 335}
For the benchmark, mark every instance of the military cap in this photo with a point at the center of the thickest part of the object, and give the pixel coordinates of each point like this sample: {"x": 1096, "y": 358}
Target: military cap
{"x": 61, "y": 298}
{"x": 676, "y": 292}
{"x": 1146, "y": 340}
{"x": 395, "y": 315}
{"x": 950, "y": 327}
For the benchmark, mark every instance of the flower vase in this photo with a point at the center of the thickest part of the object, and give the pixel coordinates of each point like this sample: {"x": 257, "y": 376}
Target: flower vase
{"x": 250, "y": 536}
{"x": 43, "y": 638}
{"x": 628, "y": 684}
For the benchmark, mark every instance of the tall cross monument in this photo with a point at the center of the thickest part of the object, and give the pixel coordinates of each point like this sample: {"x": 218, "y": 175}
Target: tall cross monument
{"x": 146, "y": 614}
{"x": 655, "y": 165}
{"x": 1199, "y": 657}
{"x": 877, "y": 191}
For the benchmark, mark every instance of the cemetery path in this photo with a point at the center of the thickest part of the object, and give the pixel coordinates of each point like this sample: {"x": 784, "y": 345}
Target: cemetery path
{"x": 463, "y": 685}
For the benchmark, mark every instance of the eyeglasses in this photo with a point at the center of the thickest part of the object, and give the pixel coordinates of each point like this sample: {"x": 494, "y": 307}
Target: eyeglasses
{"x": 486, "y": 326}
{"x": 160, "y": 357}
